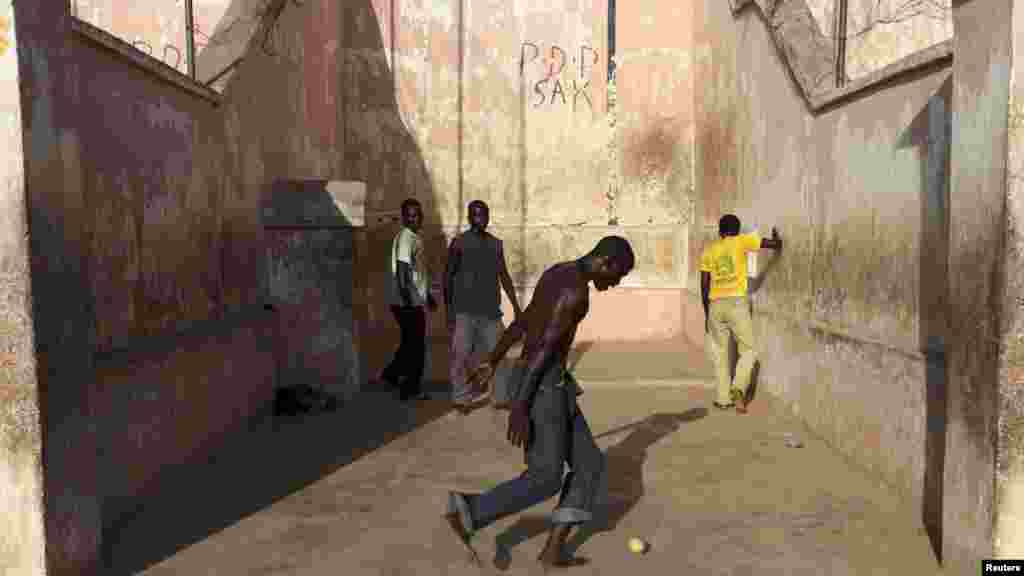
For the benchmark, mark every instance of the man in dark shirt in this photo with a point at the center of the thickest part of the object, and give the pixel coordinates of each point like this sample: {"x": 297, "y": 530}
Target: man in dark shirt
{"x": 476, "y": 264}
{"x": 544, "y": 416}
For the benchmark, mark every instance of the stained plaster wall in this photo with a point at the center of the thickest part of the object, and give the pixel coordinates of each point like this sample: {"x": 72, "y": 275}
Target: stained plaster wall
{"x": 560, "y": 173}
{"x": 503, "y": 102}
{"x": 527, "y": 129}
{"x": 21, "y": 478}
{"x": 880, "y": 32}
{"x": 983, "y": 458}
{"x": 1008, "y": 541}
{"x": 851, "y": 312}
{"x": 147, "y": 280}
{"x": 319, "y": 101}
{"x": 530, "y": 131}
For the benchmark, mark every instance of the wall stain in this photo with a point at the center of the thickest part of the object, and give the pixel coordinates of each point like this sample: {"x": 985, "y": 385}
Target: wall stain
{"x": 5, "y": 30}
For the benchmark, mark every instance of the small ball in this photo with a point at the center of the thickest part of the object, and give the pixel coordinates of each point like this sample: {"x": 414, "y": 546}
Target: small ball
{"x": 637, "y": 545}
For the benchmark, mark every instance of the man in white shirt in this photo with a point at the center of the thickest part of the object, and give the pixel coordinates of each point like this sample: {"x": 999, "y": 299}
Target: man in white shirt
{"x": 409, "y": 297}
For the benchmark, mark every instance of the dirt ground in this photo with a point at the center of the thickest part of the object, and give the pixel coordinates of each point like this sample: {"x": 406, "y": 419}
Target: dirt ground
{"x": 363, "y": 490}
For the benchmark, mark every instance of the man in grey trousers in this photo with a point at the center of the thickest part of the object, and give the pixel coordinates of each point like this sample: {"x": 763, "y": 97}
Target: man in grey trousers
{"x": 544, "y": 416}
{"x": 476, "y": 264}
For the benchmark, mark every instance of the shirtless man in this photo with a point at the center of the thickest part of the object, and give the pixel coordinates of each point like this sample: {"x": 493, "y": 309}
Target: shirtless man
{"x": 544, "y": 418}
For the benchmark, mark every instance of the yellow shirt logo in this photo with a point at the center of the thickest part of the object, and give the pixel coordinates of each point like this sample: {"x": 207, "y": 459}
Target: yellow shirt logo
{"x": 726, "y": 261}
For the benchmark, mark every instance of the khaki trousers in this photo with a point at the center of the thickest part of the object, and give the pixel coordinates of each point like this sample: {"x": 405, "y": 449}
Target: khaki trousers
{"x": 731, "y": 316}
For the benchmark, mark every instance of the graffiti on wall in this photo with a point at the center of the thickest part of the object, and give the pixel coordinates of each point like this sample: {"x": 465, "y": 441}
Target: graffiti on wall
{"x": 556, "y": 76}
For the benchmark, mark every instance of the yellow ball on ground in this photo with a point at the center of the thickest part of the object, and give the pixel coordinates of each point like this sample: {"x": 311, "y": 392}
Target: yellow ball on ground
{"x": 637, "y": 545}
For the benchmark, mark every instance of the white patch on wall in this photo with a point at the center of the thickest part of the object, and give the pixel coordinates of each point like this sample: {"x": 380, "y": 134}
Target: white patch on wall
{"x": 163, "y": 115}
{"x": 441, "y": 11}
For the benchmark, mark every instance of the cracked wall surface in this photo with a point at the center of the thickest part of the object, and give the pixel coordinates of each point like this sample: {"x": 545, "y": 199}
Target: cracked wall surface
{"x": 881, "y": 32}
{"x": 848, "y": 317}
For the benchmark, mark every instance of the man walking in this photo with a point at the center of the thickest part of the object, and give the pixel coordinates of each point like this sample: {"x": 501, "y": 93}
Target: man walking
{"x": 544, "y": 417}
{"x": 476, "y": 264}
{"x": 723, "y": 288}
{"x": 409, "y": 296}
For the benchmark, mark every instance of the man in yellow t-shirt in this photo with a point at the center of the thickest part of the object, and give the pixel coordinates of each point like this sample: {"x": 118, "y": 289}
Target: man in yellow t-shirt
{"x": 723, "y": 288}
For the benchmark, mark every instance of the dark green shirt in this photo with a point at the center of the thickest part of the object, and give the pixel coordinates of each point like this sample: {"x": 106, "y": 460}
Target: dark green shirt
{"x": 476, "y": 287}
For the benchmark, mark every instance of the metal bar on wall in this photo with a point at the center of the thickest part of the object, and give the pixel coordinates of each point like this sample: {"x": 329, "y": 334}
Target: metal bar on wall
{"x": 190, "y": 45}
{"x": 840, "y": 37}
{"x": 611, "y": 40}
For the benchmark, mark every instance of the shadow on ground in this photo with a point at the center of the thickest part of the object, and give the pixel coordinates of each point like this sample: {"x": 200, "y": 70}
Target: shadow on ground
{"x": 268, "y": 461}
{"x": 625, "y": 485}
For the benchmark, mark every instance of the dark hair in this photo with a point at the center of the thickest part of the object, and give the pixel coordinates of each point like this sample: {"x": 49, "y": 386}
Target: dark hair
{"x": 410, "y": 202}
{"x": 729, "y": 225}
{"x": 479, "y": 203}
{"x": 617, "y": 249}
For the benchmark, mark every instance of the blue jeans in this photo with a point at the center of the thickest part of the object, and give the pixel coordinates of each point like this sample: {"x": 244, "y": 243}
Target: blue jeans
{"x": 559, "y": 436}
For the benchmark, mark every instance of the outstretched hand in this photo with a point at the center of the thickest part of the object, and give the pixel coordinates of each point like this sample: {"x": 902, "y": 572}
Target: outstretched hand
{"x": 519, "y": 424}
{"x": 480, "y": 376}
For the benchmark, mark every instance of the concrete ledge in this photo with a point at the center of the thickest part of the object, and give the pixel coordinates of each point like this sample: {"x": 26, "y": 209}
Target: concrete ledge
{"x": 924, "y": 61}
{"x": 315, "y": 203}
{"x": 132, "y": 55}
{"x": 810, "y": 58}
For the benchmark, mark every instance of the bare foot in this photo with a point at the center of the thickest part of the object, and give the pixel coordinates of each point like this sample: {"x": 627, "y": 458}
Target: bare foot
{"x": 553, "y": 555}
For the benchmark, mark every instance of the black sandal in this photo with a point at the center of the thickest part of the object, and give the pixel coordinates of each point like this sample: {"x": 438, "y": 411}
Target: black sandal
{"x": 723, "y": 406}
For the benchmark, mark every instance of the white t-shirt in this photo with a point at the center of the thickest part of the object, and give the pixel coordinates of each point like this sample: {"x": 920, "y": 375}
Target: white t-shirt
{"x": 408, "y": 247}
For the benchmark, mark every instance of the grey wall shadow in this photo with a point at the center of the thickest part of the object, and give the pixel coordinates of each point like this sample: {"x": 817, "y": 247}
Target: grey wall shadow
{"x": 754, "y": 285}
{"x": 623, "y": 481}
{"x": 931, "y": 133}
{"x": 259, "y": 461}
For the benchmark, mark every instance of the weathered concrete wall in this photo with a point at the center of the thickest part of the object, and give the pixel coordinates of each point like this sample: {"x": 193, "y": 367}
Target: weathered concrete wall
{"x": 321, "y": 103}
{"x": 880, "y": 32}
{"x": 63, "y": 322}
{"x": 175, "y": 256}
{"x": 475, "y": 100}
{"x": 848, "y": 311}
{"x": 561, "y": 174}
{"x": 311, "y": 275}
{"x": 984, "y": 273}
{"x": 142, "y": 245}
{"x": 157, "y": 28}
{"x": 21, "y": 479}
{"x": 1009, "y": 523}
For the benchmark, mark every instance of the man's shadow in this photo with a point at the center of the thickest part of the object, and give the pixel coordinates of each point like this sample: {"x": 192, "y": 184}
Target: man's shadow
{"x": 624, "y": 485}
